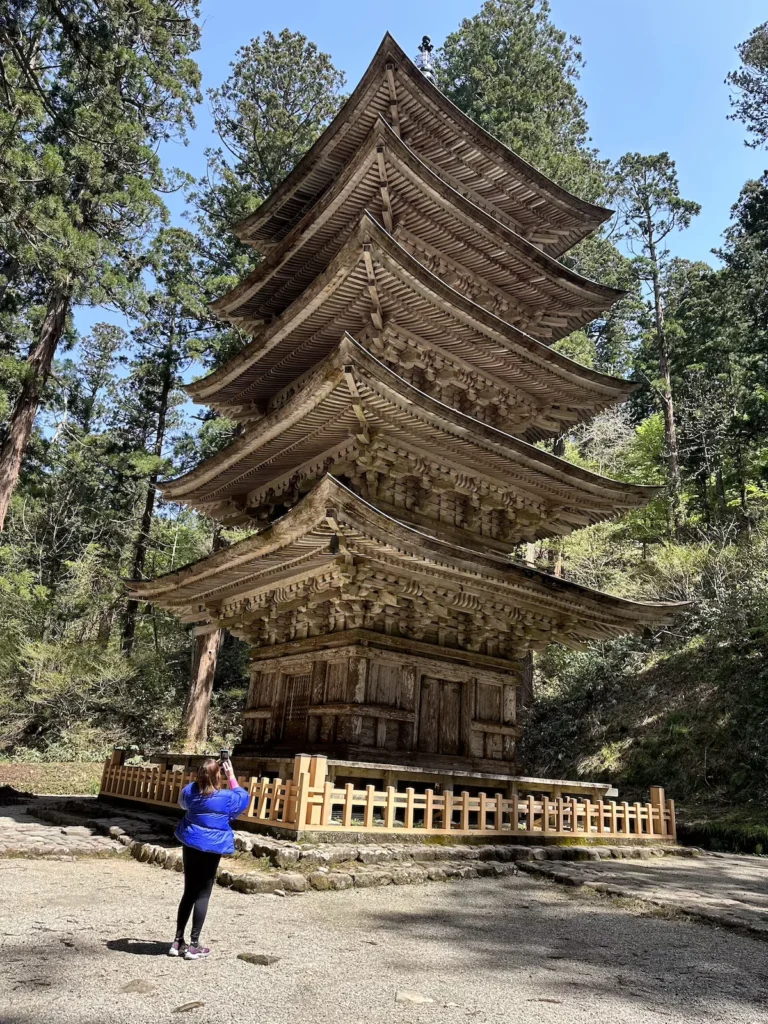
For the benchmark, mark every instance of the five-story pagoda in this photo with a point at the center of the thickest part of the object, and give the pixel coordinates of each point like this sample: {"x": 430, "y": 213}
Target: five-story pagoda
{"x": 398, "y": 377}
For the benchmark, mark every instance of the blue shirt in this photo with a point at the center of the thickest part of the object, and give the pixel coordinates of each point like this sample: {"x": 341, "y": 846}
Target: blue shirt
{"x": 206, "y": 825}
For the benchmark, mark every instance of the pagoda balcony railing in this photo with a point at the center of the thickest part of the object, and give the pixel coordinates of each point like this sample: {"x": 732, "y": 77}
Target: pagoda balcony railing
{"x": 310, "y": 803}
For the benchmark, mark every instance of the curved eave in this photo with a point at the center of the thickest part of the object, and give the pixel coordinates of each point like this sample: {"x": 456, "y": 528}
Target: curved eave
{"x": 330, "y": 498}
{"x": 328, "y": 374}
{"x": 257, "y": 226}
{"x": 594, "y": 296}
{"x": 604, "y": 387}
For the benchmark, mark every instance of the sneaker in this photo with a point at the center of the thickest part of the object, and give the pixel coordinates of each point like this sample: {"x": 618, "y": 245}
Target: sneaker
{"x": 196, "y": 953}
{"x": 178, "y": 948}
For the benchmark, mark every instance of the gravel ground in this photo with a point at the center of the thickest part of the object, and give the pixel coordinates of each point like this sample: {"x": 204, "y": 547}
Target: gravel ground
{"x": 732, "y": 888}
{"x": 73, "y": 936}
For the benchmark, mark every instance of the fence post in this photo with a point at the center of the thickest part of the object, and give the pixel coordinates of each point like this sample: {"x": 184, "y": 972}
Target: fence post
{"x": 447, "y": 809}
{"x": 409, "y": 804}
{"x": 302, "y": 798}
{"x": 369, "y": 805}
{"x": 659, "y": 806}
{"x": 104, "y": 774}
{"x": 318, "y": 772}
{"x": 253, "y": 793}
{"x": 389, "y": 810}
{"x": 672, "y": 829}
{"x": 327, "y": 807}
{"x": 429, "y": 804}
{"x": 346, "y": 815}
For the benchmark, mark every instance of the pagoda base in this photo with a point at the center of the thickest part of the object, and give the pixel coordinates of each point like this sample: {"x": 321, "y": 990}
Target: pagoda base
{"x": 367, "y": 697}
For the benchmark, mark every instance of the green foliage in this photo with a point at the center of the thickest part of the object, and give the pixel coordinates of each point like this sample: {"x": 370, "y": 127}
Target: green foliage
{"x": 281, "y": 93}
{"x": 687, "y": 708}
{"x": 511, "y": 70}
{"x": 749, "y": 98}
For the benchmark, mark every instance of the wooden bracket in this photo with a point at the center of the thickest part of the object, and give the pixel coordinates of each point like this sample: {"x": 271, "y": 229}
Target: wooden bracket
{"x": 393, "y": 110}
{"x": 376, "y": 313}
{"x": 357, "y": 405}
{"x": 386, "y": 202}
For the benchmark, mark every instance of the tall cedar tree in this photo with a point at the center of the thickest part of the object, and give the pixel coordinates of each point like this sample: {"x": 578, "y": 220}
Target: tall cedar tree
{"x": 515, "y": 73}
{"x": 749, "y": 98}
{"x": 88, "y": 90}
{"x": 650, "y": 210}
{"x": 281, "y": 93}
{"x": 167, "y": 341}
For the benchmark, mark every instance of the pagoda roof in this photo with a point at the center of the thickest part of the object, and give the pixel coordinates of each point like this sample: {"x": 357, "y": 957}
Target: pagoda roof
{"x": 372, "y": 277}
{"x": 349, "y": 397}
{"x": 477, "y": 254}
{"x": 468, "y": 157}
{"x": 332, "y": 530}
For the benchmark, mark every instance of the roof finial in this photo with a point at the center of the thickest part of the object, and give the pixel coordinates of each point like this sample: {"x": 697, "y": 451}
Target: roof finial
{"x": 424, "y": 60}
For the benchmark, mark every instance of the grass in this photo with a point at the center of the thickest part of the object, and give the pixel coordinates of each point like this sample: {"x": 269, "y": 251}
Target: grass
{"x": 70, "y": 778}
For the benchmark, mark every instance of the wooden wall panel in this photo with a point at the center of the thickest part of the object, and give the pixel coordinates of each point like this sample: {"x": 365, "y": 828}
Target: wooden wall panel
{"x": 440, "y": 716}
{"x": 383, "y": 684}
{"x": 489, "y": 706}
{"x": 449, "y": 740}
{"x": 336, "y": 682}
{"x": 429, "y": 715}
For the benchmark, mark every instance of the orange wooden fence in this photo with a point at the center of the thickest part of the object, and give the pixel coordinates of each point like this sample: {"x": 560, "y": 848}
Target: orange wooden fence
{"x": 308, "y": 802}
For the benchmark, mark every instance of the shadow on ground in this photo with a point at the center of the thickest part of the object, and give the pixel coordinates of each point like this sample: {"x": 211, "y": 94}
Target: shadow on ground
{"x": 138, "y": 946}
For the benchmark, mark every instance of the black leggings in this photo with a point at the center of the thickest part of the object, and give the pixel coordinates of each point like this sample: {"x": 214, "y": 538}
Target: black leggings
{"x": 199, "y": 875}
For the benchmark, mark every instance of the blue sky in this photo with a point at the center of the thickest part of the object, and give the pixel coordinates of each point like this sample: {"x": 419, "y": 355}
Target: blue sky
{"x": 654, "y": 79}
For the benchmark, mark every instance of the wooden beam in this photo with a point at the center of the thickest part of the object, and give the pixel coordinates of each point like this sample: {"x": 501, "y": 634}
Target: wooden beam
{"x": 386, "y": 203}
{"x": 376, "y": 314}
{"x": 393, "y": 109}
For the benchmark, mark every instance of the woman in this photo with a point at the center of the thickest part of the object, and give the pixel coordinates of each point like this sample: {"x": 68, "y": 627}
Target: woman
{"x": 206, "y": 834}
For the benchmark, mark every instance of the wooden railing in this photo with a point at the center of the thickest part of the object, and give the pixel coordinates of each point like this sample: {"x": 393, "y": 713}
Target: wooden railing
{"x": 308, "y": 802}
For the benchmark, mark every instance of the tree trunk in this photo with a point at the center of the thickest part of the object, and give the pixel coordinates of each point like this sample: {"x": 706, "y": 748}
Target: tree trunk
{"x": 142, "y": 541}
{"x": 22, "y": 418}
{"x": 667, "y": 401}
{"x": 204, "y": 660}
{"x": 556, "y": 544}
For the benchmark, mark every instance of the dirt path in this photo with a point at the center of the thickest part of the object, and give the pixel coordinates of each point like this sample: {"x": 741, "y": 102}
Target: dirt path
{"x": 73, "y": 935}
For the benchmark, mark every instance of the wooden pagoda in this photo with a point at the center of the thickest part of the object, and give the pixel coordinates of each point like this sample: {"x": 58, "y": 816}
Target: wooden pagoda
{"x": 398, "y": 377}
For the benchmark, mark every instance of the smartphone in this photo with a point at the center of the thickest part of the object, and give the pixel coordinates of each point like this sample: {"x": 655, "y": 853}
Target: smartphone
{"x": 224, "y": 756}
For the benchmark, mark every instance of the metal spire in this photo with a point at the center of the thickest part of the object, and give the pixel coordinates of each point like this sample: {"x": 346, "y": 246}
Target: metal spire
{"x": 424, "y": 60}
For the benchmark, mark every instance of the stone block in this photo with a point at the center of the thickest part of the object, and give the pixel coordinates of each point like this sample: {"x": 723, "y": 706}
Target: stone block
{"x": 286, "y": 857}
{"x": 408, "y": 875}
{"x": 342, "y": 854}
{"x": 253, "y": 883}
{"x": 424, "y": 853}
{"x": 373, "y": 855}
{"x": 436, "y": 873}
{"x": 466, "y": 871}
{"x": 371, "y": 879}
{"x": 585, "y": 853}
{"x": 333, "y": 880}
{"x": 292, "y": 881}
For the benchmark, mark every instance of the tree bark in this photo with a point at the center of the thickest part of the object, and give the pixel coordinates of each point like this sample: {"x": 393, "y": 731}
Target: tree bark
{"x": 205, "y": 657}
{"x": 204, "y": 660}
{"x": 142, "y": 541}
{"x": 667, "y": 400}
{"x": 22, "y": 418}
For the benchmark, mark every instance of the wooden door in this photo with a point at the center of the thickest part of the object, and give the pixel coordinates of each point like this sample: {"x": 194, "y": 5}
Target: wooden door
{"x": 440, "y": 716}
{"x": 297, "y": 693}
